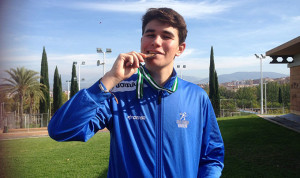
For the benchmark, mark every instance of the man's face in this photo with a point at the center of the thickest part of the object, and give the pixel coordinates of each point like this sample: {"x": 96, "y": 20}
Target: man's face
{"x": 162, "y": 40}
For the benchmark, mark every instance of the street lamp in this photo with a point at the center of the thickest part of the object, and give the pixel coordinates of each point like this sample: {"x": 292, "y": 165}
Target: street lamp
{"x": 183, "y": 66}
{"x": 82, "y": 63}
{"x": 261, "y": 83}
{"x": 99, "y": 50}
{"x": 266, "y": 98}
{"x": 68, "y": 82}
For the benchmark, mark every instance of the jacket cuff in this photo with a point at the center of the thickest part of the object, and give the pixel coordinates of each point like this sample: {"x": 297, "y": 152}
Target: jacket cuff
{"x": 96, "y": 93}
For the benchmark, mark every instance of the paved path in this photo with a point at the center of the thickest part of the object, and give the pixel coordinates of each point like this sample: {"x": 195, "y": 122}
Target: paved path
{"x": 290, "y": 121}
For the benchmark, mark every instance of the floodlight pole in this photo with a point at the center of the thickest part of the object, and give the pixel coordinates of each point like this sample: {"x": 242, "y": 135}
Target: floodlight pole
{"x": 183, "y": 66}
{"x": 79, "y": 79}
{"x": 99, "y": 50}
{"x": 68, "y": 82}
{"x": 261, "y": 83}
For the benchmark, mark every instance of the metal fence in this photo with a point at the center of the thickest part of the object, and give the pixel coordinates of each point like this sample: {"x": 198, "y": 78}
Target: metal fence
{"x": 11, "y": 120}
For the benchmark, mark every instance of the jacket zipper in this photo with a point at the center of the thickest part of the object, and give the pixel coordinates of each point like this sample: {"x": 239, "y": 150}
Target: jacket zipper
{"x": 159, "y": 98}
{"x": 159, "y": 133}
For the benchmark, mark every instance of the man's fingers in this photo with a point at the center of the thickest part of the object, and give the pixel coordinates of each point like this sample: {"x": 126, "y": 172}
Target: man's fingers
{"x": 134, "y": 59}
{"x": 137, "y": 59}
{"x": 129, "y": 60}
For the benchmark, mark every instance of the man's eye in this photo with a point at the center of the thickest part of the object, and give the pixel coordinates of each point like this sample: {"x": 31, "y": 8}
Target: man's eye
{"x": 150, "y": 35}
{"x": 167, "y": 37}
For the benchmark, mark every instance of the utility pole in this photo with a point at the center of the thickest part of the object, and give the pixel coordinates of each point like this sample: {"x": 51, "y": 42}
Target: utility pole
{"x": 261, "y": 83}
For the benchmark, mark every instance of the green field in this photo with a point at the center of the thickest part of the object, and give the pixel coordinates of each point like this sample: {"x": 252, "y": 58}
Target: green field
{"x": 44, "y": 157}
{"x": 253, "y": 148}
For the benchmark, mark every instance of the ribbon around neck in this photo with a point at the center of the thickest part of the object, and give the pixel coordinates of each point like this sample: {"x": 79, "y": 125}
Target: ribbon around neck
{"x": 143, "y": 74}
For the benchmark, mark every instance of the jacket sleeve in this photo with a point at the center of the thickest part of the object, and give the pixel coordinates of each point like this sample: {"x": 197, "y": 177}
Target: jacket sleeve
{"x": 82, "y": 116}
{"x": 212, "y": 150}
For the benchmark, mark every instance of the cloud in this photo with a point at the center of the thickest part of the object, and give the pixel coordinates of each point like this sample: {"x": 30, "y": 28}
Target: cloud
{"x": 189, "y": 9}
{"x": 188, "y": 52}
{"x": 220, "y": 62}
{"x": 235, "y": 62}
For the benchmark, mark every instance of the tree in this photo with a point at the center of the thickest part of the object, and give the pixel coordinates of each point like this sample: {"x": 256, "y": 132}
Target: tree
{"x": 246, "y": 97}
{"x": 74, "y": 84}
{"x": 280, "y": 96}
{"x": 45, "y": 104}
{"x": 225, "y": 93}
{"x": 19, "y": 84}
{"x": 212, "y": 77}
{"x": 214, "y": 95}
{"x": 272, "y": 92}
{"x": 286, "y": 94}
{"x": 57, "y": 91}
{"x": 217, "y": 101}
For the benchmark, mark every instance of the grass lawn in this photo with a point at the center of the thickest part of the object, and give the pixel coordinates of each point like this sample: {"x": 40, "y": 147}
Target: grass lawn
{"x": 253, "y": 148}
{"x": 44, "y": 157}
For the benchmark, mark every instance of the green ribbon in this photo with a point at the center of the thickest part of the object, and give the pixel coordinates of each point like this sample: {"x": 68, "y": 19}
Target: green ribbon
{"x": 143, "y": 74}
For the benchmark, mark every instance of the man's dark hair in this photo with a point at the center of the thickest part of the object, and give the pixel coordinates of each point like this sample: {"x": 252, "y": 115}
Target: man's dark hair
{"x": 167, "y": 16}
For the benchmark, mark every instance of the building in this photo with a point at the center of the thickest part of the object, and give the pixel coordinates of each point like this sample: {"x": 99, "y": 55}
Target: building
{"x": 289, "y": 53}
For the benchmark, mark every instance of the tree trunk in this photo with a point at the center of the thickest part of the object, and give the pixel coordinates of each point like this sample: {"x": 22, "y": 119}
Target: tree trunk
{"x": 31, "y": 108}
{"x": 21, "y": 112}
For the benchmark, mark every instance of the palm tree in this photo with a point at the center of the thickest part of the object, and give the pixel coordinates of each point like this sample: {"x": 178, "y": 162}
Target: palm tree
{"x": 19, "y": 83}
{"x": 35, "y": 93}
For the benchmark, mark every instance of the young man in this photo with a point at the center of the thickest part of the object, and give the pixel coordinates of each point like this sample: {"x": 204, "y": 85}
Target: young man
{"x": 160, "y": 125}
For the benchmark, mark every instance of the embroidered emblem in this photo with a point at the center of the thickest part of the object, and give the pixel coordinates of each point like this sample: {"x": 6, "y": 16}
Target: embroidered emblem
{"x": 182, "y": 123}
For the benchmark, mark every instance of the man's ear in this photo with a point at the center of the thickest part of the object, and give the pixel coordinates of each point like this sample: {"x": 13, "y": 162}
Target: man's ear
{"x": 181, "y": 48}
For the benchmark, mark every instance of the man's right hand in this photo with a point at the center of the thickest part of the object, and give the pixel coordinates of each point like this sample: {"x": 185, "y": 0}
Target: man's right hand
{"x": 124, "y": 67}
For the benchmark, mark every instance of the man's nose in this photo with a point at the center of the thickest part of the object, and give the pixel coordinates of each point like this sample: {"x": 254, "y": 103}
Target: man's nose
{"x": 157, "y": 41}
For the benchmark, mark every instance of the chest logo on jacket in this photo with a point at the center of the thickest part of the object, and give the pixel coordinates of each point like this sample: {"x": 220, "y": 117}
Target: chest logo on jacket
{"x": 182, "y": 122}
{"x": 125, "y": 86}
{"x": 136, "y": 117}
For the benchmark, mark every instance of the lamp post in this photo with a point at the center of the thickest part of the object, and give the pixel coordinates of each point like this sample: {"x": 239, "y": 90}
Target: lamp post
{"x": 82, "y": 63}
{"x": 261, "y": 83}
{"x": 99, "y": 50}
{"x": 68, "y": 83}
{"x": 266, "y": 111}
{"x": 183, "y": 66}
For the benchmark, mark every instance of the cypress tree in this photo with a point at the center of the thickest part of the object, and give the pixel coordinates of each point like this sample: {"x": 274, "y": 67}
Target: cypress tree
{"x": 56, "y": 91}
{"x": 212, "y": 77}
{"x": 44, "y": 105}
{"x": 214, "y": 95}
{"x": 74, "y": 84}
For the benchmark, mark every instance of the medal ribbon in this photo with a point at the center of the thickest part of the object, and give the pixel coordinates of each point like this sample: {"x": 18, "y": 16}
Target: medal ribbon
{"x": 143, "y": 74}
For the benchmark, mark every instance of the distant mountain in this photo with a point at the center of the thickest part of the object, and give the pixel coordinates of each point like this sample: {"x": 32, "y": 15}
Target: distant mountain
{"x": 239, "y": 76}
{"x": 191, "y": 78}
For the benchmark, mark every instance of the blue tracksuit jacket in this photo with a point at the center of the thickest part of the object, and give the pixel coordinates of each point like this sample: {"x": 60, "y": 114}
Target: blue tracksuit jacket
{"x": 160, "y": 135}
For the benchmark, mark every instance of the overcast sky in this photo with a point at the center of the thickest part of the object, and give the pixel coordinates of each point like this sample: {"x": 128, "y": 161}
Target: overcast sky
{"x": 71, "y": 30}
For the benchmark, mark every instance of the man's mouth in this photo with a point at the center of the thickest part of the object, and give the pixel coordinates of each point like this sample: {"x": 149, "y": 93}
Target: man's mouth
{"x": 150, "y": 55}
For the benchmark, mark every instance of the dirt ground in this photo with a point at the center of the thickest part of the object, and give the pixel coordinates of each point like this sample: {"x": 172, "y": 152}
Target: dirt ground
{"x": 27, "y": 133}
{"x": 23, "y": 133}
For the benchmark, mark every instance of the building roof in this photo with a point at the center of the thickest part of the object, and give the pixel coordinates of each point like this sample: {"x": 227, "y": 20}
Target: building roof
{"x": 289, "y": 48}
